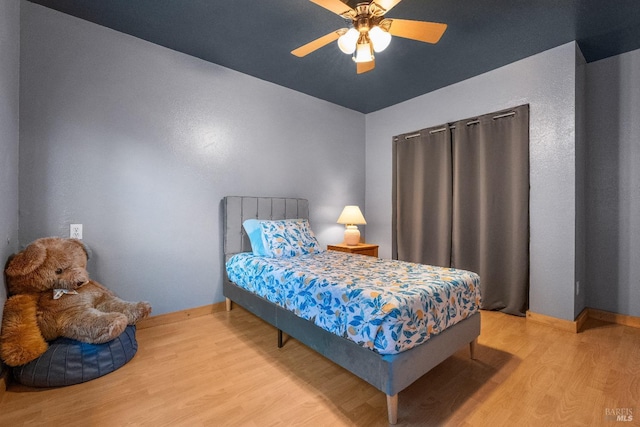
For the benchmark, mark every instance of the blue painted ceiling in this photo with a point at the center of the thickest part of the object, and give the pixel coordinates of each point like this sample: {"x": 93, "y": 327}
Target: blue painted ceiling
{"x": 256, "y": 37}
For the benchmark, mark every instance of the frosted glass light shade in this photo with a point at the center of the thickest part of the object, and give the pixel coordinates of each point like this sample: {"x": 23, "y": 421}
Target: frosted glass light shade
{"x": 379, "y": 38}
{"x": 347, "y": 41}
{"x": 364, "y": 51}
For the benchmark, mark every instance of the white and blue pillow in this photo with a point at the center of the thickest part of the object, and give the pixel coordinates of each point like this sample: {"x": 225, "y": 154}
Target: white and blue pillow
{"x": 281, "y": 238}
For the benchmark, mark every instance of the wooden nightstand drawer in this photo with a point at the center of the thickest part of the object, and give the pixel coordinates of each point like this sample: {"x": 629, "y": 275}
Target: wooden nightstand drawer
{"x": 360, "y": 248}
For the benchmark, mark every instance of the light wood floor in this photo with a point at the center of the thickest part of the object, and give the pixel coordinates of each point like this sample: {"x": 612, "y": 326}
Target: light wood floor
{"x": 225, "y": 369}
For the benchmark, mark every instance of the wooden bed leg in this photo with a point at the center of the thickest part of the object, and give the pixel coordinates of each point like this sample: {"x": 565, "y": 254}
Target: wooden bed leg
{"x": 392, "y": 408}
{"x": 228, "y": 304}
{"x": 279, "y": 338}
{"x": 472, "y": 348}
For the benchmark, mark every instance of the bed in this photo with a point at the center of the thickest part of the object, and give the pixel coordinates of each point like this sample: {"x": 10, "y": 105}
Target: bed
{"x": 389, "y": 368}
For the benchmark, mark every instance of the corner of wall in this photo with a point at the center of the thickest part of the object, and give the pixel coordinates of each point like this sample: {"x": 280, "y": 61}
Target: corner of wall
{"x": 9, "y": 130}
{"x": 580, "y": 285}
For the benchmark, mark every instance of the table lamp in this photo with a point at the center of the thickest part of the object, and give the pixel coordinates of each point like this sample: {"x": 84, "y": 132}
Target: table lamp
{"x": 351, "y": 216}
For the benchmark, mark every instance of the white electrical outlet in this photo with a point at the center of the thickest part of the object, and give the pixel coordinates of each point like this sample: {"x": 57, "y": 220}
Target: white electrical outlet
{"x": 75, "y": 231}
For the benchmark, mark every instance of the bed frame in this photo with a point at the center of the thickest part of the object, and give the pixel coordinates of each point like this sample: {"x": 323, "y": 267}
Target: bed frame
{"x": 388, "y": 373}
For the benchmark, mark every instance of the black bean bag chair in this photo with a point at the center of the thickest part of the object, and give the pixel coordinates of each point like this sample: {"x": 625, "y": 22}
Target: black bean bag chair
{"x": 68, "y": 362}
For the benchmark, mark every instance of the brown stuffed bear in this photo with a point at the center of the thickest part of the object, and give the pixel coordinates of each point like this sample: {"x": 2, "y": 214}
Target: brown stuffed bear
{"x": 51, "y": 295}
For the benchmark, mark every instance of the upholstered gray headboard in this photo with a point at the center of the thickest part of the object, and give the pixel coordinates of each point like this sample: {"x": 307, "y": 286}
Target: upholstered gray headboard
{"x": 237, "y": 209}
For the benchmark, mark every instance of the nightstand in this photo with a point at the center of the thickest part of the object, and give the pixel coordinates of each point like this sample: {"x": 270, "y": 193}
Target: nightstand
{"x": 361, "y": 248}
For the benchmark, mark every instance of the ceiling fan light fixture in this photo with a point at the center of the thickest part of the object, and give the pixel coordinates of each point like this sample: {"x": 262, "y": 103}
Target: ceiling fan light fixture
{"x": 380, "y": 38}
{"x": 347, "y": 42}
{"x": 370, "y": 30}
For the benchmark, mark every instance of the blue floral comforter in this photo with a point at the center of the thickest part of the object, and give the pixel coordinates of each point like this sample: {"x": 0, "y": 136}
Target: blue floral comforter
{"x": 385, "y": 305}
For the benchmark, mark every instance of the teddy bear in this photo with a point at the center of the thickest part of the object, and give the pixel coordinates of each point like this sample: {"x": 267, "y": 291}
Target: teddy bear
{"x": 50, "y": 295}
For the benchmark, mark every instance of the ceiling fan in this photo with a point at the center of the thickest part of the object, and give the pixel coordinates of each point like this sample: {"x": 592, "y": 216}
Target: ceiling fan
{"x": 371, "y": 31}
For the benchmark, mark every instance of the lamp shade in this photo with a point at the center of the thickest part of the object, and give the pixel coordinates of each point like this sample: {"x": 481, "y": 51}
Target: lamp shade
{"x": 351, "y": 215}
{"x": 363, "y": 53}
{"x": 347, "y": 41}
{"x": 380, "y": 38}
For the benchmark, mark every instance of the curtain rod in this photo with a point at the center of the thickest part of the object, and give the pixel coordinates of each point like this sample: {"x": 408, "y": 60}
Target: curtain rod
{"x": 509, "y": 114}
{"x": 437, "y": 130}
{"x": 472, "y": 122}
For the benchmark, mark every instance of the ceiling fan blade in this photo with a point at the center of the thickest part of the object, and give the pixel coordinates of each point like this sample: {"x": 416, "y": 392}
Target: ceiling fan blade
{"x": 363, "y": 67}
{"x": 316, "y": 44}
{"x": 428, "y": 32}
{"x": 335, "y": 6}
{"x": 387, "y": 5}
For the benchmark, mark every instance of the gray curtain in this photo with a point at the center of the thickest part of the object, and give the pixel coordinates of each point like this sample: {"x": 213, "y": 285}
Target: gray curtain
{"x": 490, "y": 231}
{"x": 488, "y": 223}
{"x": 423, "y": 192}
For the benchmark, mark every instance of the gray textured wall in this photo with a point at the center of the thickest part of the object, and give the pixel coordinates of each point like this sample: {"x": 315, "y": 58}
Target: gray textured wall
{"x": 547, "y": 82}
{"x": 613, "y": 183}
{"x": 140, "y": 143}
{"x": 9, "y": 126}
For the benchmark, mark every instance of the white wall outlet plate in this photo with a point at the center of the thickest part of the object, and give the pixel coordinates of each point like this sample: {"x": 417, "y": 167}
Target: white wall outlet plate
{"x": 75, "y": 231}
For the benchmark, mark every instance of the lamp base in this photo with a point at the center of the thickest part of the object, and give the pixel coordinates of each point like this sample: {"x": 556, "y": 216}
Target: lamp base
{"x": 352, "y": 235}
